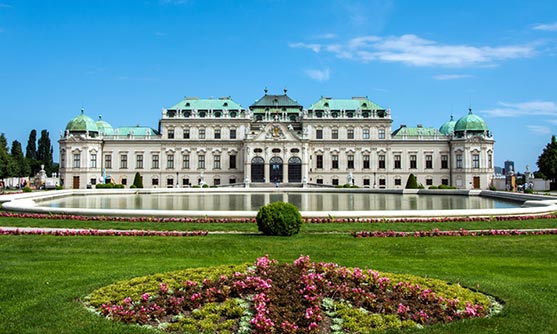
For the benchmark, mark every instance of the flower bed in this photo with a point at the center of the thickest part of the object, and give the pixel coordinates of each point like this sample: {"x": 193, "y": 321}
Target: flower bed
{"x": 454, "y": 233}
{"x": 90, "y": 232}
{"x": 251, "y": 220}
{"x": 272, "y": 297}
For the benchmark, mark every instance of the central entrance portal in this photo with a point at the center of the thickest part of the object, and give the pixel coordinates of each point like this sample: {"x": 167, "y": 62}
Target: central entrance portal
{"x": 275, "y": 173}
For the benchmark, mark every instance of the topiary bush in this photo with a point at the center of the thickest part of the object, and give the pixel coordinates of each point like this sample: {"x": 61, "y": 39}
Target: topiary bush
{"x": 137, "y": 181}
{"x": 279, "y": 218}
{"x": 412, "y": 183}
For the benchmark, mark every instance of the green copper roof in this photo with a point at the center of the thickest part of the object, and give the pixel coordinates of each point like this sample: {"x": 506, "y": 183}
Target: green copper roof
{"x": 276, "y": 101}
{"x": 448, "y": 127}
{"x": 104, "y": 127}
{"x": 82, "y": 123}
{"x": 191, "y": 103}
{"x": 135, "y": 131}
{"x": 415, "y": 132}
{"x": 469, "y": 123}
{"x": 345, "y": 104}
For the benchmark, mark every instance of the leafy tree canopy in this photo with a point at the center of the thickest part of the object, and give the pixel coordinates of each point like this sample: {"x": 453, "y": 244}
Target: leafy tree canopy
{"x": 547, "y": 161}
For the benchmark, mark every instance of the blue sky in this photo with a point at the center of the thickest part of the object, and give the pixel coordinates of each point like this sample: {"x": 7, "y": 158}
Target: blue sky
{"x": 424, "y": 59}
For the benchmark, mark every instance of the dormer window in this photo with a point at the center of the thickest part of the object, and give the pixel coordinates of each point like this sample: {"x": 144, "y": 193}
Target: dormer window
{"x": 187, "y": 104}
{"x": 326, "y": 104}
{"x": 225, "y": 104}
{"x": 364, "y": 105}
{"x": 217, "y": 114}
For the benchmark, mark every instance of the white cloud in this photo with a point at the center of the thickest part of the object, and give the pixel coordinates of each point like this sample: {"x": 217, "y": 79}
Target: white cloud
{"x": 319, "y": 75}
{"x": 539, "y": 129}
{"x": 416, "y": 51}
{"x": 451, "y": 76}
{"x": 546, "y": 27}
{"x": 311, "y": 46}
{"x": 533, "y": 108}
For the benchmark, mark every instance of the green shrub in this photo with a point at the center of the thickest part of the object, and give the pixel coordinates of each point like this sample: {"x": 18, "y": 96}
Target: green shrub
{"x": 205, "y": 186}
{"x": 59, "y": 187}
{"x": 412, "y": 183}
{"x": 137, "y": 181}
{"x": 279, "y": 218}
{"x": 26, "y": 189}
{"x": 528, "y": 191}
{"x": 433, "y": 187}
{"x": 119, "y": 186}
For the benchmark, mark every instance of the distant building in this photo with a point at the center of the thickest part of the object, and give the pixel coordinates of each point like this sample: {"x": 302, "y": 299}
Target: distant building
{"x": 332, "y": 142}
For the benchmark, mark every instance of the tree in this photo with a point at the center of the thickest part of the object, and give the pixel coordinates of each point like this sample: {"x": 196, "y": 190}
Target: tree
{"x": 547, "y": 161}
{"x": 138, "y": 181}
{"x": 4, "y": 157}
{"x": 31, "y": 152}
{"x": 412, "y": 183}
{"x": 44, "y": 152}
{"x": 20, "y": 165}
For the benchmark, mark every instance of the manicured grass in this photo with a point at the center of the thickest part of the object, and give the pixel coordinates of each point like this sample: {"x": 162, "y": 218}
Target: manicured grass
{"x": 42, "y": 278}
{"x": 252, "y": 227}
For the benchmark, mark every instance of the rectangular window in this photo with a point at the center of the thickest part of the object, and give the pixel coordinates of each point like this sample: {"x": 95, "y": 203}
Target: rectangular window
{"x": 319, "y": 161}
{"x": 217, "y": 133}
{"x": 429, "y": 161}
{"x": 217, "y": 182}
{"x": 350, "y": 161}
{"x": 489, "y": 161}
{"x": 335, "y": 134}
{"x": 232, "y": 161}
{"x": 77, "y": 160}
{"x": 334, "y": 160}
{"x": 94, "y": 160}
{"x": 350, "y": 134}
{"x": 398, "y": 182}
{"x": 139, "y": 161}
{"x": 335, "y": 182}
{"x": 476, "y": 160}
{"x": 186, "y": 161}
{"x": 428, "y": 182}
{"x": 319, "y": 134}
{"x": 398, "y": 163}
{"x": 319, "y": 181}
{"x": 365, "y": 134}
{"x": 444, "y": 161}
{"x": 232, "y": 133}
{"x": 186, "y": 133}
{"x": 93, "y": 181}
{"x": 382, "y": 182}
{"x": 366, "y": 182}
{"x": 381, "y": 161}
{"x": 381, "y": 133}
{"x": 216, "y": 162}
{"x": 185, "y": 182}
{"x": 445, "y": 182}
{"x": 170, "y": 133}
{"x": 232, "y": 181}
{"x": 170, "y": 161}
{"x": 108, "y": 161}
{"x": 124, "y": 181}
{"x": 201, "y": 161}
{"x": 155, "y": 161}
{"x": 201, "y": 133}
{"x": 413, "y": 161}
{"x": 155, "y": 182}
{"x": 124, "y": 161}
{"x": 366, "y": 161}
{"x": 459, "y": 161}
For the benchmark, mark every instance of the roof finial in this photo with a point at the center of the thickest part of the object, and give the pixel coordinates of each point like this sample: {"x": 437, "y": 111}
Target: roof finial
{"x": 100, "y": 117}
{"x": 82, "y": 110}
{"x": 265, "y": 90}
{"x": 469, "y": 104}
{"x": 285, "y": 90}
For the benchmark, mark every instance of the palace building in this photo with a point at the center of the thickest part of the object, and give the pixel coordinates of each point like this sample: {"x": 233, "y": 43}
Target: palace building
{"x": 276, "y": 140}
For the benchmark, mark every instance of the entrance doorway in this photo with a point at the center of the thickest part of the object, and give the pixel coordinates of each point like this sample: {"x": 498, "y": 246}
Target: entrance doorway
{"x": 76, "y": 182}
{"x": 257, "y": 169}
{"x": 476, "y": 182}
{"x": 275, "y": 165}
{"x": 294, "y": 169}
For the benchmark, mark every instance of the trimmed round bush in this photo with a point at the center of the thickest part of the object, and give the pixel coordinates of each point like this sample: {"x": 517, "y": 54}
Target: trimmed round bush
{"x": 279, "y": 218}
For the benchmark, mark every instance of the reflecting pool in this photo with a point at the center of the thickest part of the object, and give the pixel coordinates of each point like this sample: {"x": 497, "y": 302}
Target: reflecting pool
{"x": 310, "y": 201}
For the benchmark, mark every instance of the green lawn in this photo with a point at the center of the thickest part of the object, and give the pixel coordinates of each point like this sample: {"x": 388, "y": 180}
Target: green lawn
{"x": 42, "y": 278}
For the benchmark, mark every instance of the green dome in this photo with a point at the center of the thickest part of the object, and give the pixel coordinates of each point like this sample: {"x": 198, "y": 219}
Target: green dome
{"x": 470, "y": 123}
{"x": 104, "y": 127}
{"x": 82, "y": 124}
{"x": 448, "y": 127}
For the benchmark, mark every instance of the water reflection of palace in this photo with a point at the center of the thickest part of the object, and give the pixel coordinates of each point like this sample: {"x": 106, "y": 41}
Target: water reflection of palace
{"x": 276, "y": 140}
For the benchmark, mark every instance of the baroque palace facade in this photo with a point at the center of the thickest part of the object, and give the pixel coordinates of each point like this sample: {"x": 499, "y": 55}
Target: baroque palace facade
{"x": 276, "y": 140}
